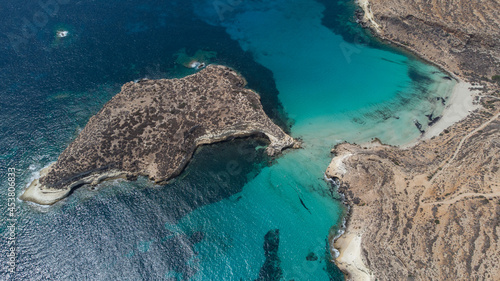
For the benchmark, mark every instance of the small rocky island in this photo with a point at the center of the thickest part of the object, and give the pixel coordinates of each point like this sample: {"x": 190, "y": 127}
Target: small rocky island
{"x": 152, "y": 128}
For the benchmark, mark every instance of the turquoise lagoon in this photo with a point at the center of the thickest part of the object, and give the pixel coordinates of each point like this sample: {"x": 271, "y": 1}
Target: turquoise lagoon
{"x": 234, "y": 213}
{"x": 334, "y": 91}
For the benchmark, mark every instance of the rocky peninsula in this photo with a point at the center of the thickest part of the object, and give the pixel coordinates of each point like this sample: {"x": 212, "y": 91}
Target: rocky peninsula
{"x": 429, "y": 211}
{"x": 462, "y": 37}
{"x": 152, "y": 128}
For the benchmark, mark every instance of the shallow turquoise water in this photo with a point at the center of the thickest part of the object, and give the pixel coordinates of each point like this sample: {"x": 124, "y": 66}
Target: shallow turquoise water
{"x": 325, "y": 84}
{"x": 214, "y": 221}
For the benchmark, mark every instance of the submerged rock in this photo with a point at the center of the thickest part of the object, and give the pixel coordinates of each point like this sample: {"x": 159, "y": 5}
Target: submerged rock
{"x": 311, "y": 257}
{"x": 271, "y": 269}
{"x": 151, "y": 128}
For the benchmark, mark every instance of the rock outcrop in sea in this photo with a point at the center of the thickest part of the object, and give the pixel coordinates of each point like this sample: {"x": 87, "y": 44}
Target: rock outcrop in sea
{"x": 152, "y": 128}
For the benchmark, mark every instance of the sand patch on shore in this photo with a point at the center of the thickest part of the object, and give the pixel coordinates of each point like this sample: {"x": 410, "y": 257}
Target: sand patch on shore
{"x": 368, "y": 17}
{"x": 460, "y": 105}
{"x": 350, "y": 259}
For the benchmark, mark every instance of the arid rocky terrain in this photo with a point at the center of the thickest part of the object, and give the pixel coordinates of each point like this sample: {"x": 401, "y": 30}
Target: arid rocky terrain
{"x": 152, "y": 128}
{"x": 461, "y": 36}
{"x": 430, "y": 211}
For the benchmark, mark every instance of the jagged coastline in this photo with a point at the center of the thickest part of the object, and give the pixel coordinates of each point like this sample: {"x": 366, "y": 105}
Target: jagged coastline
{"x": 152, "y": 128}
{"x": 463, "y": 40}
{"x": 429, "y": 211}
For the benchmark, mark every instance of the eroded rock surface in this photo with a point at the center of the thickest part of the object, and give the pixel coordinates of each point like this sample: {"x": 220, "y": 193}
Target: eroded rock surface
{"x": 431, "y": 212}
{"x": 461, "y": 36}
{"x": 152, "y": 128}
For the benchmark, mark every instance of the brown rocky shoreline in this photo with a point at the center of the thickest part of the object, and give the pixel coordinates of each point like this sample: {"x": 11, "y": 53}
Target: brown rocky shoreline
{"x": 429, "y": 211}
{"x": 152, "y": 128}
{"x": 462, "y": 38}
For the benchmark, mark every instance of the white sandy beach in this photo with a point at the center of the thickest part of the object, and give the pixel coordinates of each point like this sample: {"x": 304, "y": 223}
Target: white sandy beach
{"x": 350, "y": 259}
{"x": 459, "y": 105}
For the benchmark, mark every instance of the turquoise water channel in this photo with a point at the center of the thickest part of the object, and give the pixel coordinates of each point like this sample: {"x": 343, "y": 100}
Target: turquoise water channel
{"x": 234, "y": 213}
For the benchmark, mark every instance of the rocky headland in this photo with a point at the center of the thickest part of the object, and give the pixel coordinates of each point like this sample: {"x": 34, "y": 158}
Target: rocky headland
{"x": 152, "y": 128}
{"x": 430, "y": 211}
{"x": 462, "y": 37}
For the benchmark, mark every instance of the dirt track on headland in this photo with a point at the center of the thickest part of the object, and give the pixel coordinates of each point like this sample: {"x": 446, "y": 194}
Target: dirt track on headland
{"x": 431, "y": 211}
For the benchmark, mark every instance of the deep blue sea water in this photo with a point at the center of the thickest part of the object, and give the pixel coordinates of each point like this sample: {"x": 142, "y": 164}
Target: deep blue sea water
{"x": 234, "y": 213}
